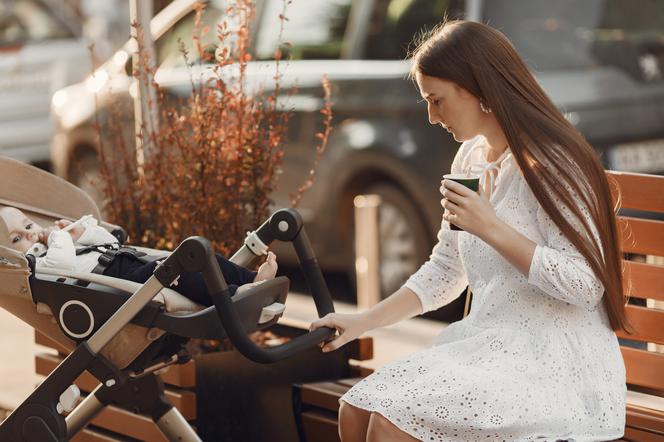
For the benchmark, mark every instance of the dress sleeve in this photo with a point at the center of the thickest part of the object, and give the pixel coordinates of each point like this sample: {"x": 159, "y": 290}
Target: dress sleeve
{"x": 442, "y": 278}
{"x": 559, "y": 269}
{"x": 61, "y": 253}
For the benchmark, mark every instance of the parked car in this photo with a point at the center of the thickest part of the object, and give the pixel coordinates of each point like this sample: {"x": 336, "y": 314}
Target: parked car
{"x": 42, "y": 50}
{"x": 601, "y": 62}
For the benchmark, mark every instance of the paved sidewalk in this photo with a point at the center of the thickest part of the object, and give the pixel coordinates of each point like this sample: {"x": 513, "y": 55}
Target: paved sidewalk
{"x": 17, "y": 366}
{"x": 17, "y": 347}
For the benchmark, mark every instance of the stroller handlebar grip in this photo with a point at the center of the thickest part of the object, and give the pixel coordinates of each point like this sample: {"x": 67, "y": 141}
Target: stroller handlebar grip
{"x": 250, "y": 349}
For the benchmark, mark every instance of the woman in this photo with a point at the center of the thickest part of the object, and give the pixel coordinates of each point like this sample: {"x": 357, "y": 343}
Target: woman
{"x": 537, "y": 357}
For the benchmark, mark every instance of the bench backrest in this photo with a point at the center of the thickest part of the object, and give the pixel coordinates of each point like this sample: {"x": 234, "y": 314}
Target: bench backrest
{"x": 643, "y": 245}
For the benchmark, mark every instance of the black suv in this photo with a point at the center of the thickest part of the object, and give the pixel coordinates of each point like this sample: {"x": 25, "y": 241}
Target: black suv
{"x": 602, "y": 63}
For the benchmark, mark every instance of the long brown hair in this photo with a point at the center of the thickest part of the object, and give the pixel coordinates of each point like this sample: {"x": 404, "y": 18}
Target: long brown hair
{"x": 555, "y": 159}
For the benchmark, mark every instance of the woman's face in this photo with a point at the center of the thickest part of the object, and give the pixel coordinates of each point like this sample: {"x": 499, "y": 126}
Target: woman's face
{"x": 451, "y": 106}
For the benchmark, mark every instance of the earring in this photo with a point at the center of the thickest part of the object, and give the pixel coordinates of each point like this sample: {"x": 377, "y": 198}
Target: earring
{"x": 486, "y": 109}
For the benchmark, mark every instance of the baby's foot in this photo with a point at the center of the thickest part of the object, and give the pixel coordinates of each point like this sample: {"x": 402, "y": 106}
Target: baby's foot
{"x": 268, "y": 269}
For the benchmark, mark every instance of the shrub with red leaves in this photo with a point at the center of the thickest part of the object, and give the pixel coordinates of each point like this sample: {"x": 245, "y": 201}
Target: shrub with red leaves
{"x": 213, "y": 159}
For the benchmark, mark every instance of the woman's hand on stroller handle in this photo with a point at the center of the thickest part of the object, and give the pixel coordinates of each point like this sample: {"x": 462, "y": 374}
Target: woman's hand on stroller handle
{"x": 348, "y": 326}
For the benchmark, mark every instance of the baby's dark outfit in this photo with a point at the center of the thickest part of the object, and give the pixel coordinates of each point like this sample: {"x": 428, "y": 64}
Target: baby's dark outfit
{"x": 189, "y": 284}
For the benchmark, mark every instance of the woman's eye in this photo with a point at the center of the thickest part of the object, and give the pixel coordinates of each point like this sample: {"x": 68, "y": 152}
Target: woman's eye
{"x": 16, "y": 239}
{"x": 28, "y": 227}
{"x": 435, "y": 102}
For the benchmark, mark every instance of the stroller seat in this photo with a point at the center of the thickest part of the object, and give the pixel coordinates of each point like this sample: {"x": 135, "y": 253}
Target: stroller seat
{"x": 121, "y": 331}
{"x": 17, "y": 298}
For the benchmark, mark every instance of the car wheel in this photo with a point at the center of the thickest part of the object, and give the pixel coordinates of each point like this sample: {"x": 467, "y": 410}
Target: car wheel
{"x": 404, "y": 239}
{"x": 85, "y": 173}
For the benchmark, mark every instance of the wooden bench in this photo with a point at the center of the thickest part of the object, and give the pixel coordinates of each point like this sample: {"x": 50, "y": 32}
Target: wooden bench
{"x": 643, "y": 241}
{"x": 317, "y": 403}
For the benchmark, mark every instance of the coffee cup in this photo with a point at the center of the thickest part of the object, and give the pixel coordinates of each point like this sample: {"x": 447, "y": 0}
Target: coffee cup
{"x": 470, "y": 181}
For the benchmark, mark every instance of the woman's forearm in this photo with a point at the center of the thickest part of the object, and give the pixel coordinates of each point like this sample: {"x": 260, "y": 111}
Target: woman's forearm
{"x": 512, "y": 245}
{"x": 403, "y": 304}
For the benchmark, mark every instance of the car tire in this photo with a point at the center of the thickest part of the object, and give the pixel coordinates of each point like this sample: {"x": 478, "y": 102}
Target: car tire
{"x": 404, "y": 239}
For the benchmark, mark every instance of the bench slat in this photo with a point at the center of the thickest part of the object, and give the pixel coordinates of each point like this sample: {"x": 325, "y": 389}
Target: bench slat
{"x": 350, "y": 382}
{"x": 361, "y": 349}
{"x": 133, "y": 425}
{"x": 44, "y": 340}
{"x": 89, "y": 435}
{"x": 647, "y": 324}
{"x": 645, "y": 418}
{"x": 639, "y": 191}
{"x": 322, "y": 394}
{"x": 638, "y": 435}
{"x": 646, "y": 280}
{"x": 644, "y": 368}
{"x": 641, "y": 236}
{"x": 180, "y": 375}
{"x": 319, "y": 426}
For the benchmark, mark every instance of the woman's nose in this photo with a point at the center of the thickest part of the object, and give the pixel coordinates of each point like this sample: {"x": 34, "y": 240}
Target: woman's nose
{"x": 434, "y": 118}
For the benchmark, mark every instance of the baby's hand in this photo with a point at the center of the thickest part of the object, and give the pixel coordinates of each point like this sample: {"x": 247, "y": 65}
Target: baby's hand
{"x": 75, "y": 232}
{"x": 43, "y": 235}
{"x": 62, "y": 223}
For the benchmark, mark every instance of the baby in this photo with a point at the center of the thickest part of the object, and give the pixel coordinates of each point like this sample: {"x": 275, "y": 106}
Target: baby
{"x": 55, "y": 247}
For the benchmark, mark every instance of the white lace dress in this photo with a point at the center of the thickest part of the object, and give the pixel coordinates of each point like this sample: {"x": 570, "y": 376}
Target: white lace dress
{"x": 535, "y": 359}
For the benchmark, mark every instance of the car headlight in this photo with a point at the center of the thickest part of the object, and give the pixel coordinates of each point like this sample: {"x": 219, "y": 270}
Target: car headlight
{"x": 59, "y": 99}
{"x": 72, "y": 105}
{"x": 120, "y": 58}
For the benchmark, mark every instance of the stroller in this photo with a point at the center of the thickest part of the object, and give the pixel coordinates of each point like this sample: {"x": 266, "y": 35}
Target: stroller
{"x": 124, "y": 332}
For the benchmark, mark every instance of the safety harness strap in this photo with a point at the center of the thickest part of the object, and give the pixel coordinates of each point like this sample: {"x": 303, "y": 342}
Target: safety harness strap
{"x": 108, "y": 253}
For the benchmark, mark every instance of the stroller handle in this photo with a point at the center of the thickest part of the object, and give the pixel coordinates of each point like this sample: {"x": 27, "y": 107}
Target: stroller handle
{"x": 196, "y": 254}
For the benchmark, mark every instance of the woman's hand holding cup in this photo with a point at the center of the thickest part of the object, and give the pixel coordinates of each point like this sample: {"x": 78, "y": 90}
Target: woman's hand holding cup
{"x": 467, "y": 209}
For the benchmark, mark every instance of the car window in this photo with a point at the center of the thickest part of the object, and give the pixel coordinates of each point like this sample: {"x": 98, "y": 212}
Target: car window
{"x": 314, "y": 29}
{"x": 168, "y": 48}
{"x": 25, "y": 20}
{"x": 568, "y": 34}
{"x": 394, "y": 25}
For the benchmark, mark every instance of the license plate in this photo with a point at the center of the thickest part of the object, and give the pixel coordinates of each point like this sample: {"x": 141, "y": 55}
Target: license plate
{"x": 643, "y": 157}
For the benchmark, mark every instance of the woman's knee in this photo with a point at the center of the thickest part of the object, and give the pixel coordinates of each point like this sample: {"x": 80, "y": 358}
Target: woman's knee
{"x": 350, "y": 412}
{"x": 353, "y": 422}
{"x": 380, "y": 429}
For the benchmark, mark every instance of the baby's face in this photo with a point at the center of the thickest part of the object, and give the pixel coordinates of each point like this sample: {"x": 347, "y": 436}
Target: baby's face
{"x": 23, "y": 232}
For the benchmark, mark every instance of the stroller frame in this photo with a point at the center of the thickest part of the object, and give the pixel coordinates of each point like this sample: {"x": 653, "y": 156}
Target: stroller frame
{"x": 38, "y": 418}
